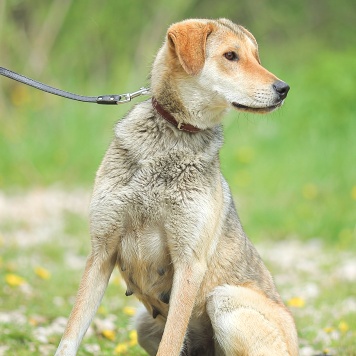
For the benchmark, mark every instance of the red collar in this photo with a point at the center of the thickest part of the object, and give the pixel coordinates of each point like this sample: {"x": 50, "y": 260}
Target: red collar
{"x": 169, "y": 117}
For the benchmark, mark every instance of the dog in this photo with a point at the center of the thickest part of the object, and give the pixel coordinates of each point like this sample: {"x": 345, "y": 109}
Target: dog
{"x": 163, "y": 213}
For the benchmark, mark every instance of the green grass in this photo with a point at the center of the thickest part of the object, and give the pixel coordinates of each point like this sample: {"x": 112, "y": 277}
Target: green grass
{"x": 324, "y": 320}
{"x": 327, "y": 318}
{"x": 41, "y": 301}
{"x": 293, "y": 174}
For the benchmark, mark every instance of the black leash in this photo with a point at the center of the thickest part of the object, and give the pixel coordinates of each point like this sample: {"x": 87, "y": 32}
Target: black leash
{"x": 102, "y": 99}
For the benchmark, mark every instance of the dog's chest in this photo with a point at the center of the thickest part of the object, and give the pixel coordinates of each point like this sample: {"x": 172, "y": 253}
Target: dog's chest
{"x": 150, "y": 201}
{"x": 145, "y": 265}
{"x": 143, "y": 199}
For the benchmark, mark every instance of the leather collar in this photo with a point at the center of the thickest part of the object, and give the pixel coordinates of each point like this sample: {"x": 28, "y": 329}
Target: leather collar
{"x": 170, "y": 118}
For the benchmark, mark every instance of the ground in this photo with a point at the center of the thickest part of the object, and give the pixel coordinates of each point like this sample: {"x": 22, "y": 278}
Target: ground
{"x": 44, "y": 242}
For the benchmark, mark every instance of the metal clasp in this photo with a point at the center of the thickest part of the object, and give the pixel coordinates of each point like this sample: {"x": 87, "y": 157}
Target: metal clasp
{"x": 125, "y": 98}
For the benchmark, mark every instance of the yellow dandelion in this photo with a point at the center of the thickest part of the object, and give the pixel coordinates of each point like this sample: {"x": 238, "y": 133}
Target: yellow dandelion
{"x": 121, "y": 349}
{"x": 133, "y": 338}
{"x": 343, "y": 326}
{"x": 310, "y": 191}
{"x": 102, "y": 310}
{"x": 296, "y": 302}
{"x": 109, "y": 334}
{"x": 353, "y": 192}
{"x": 115, "y": 281}
{"x": 36, "y": 320}
{"x": 329, "y": 329}
{"x": 33, "y": 321}
{"x": 14, "y": 280}
{"x": 20, "y": 95}
{"x": 42, "y": 273}
{"x": 130, "y": 311}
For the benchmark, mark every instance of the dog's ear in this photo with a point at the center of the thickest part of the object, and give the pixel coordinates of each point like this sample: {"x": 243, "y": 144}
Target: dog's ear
{"x": 188, "y": 40}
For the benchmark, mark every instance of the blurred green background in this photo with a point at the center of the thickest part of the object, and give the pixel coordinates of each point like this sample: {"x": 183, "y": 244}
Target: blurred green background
{"x": 293, "y": 172}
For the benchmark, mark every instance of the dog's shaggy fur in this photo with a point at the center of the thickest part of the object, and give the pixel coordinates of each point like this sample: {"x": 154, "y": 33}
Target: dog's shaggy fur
{"x": 162, "y": 211}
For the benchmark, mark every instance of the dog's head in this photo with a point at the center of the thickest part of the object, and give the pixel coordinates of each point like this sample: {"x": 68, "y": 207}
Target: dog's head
{"x": 222, "y": 58}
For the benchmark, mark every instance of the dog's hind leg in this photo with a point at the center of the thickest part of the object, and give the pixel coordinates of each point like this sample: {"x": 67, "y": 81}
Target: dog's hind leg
{"x": 149, "y": 331}
{"x": 246, "y": 322}
{"x": 91, "y": 290}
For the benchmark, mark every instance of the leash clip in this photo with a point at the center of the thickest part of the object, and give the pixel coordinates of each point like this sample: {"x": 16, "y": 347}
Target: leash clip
{"x": 122, "y": 98}
{"x": 125, "y": 98}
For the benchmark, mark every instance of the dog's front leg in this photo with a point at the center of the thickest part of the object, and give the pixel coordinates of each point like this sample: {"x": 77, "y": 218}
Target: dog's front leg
{"x": 91, "y": 290}
{"x": 186, "y": 282}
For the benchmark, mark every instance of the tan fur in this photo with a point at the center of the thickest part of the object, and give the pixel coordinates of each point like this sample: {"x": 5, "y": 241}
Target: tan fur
{"x": 163, "y": 213}
{"x": 189, "y": 42}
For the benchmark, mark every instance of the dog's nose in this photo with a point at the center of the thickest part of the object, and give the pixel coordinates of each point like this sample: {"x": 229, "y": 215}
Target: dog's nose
{"x": 281, "y": 88}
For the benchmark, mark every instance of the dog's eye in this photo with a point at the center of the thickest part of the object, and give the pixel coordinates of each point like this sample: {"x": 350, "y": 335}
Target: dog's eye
{"x": 231, "y": 56}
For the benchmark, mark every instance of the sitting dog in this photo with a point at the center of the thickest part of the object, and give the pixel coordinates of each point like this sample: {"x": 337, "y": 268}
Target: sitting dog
{"x": 163, "y": 213}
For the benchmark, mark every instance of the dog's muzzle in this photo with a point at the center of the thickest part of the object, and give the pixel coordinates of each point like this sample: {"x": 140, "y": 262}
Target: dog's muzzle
{"x": 281, "y": 89}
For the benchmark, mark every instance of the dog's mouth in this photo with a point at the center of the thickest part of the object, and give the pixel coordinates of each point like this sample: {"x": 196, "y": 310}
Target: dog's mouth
{"x": 257, "y": 110}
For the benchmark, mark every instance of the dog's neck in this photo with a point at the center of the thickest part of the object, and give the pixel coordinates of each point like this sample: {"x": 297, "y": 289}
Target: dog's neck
{"x": 188, "y": 106}
{"x": 171, "y": 119}
{"x": 182, "y": 96}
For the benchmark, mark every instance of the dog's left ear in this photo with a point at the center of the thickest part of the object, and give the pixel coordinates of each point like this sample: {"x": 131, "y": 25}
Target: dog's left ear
{"x": 188, "y": 40}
